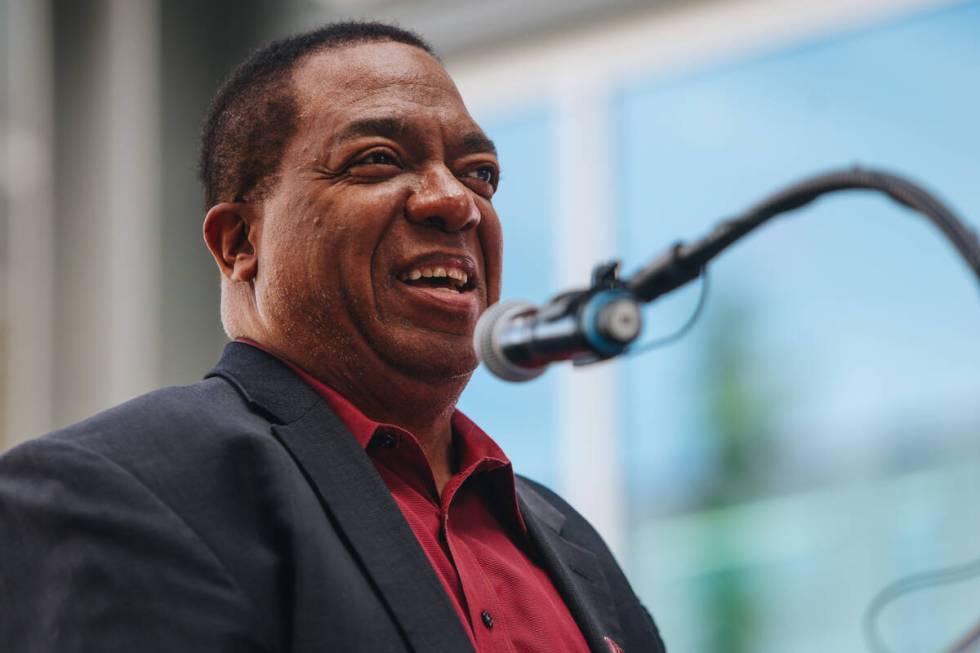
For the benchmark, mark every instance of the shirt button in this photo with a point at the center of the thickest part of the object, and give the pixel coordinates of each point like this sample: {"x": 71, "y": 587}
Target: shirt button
{"x": 487, "y": 619}
{"x": 386, "y": 440}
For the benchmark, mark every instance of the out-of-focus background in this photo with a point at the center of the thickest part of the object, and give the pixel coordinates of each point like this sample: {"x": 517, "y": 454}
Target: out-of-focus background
{"x": 816, "y": 436}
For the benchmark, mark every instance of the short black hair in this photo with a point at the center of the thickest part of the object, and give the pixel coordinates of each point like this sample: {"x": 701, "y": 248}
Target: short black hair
{"x": 253, "y": 115}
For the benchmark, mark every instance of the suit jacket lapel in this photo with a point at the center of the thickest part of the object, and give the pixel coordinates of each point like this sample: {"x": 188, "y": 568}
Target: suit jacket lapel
{"x": 574, "y": 570}
{"x": 354, "y": 494}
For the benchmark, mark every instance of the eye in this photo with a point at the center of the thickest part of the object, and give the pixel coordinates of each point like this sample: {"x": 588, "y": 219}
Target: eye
{"x": 485, "y": 173}
{"x": 379, "y": 158}
{"x": 374, "y": 163}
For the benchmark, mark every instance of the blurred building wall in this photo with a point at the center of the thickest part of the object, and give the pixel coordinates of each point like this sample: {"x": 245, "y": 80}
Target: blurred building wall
{"x": 108, "y": 289}
{"x": 27, "y": 264}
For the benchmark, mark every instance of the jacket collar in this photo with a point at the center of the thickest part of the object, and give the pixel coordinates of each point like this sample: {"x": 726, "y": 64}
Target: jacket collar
{"x": 265, "y": 382}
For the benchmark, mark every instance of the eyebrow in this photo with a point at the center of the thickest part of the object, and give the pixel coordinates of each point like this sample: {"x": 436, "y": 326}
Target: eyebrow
{"x": 394, "y": 128}
{"x": 476, "y": 142}
{"x": 387, "y": 127}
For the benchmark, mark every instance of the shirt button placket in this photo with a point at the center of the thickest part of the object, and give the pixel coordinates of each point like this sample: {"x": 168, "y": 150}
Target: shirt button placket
{"x": 487, "y": 619}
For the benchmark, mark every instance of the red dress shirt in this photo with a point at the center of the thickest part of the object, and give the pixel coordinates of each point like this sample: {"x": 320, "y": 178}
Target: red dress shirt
{"x": 473, "y": 534}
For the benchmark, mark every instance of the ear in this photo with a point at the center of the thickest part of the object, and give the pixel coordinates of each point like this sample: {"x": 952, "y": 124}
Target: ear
{"x": 231, "y": 232}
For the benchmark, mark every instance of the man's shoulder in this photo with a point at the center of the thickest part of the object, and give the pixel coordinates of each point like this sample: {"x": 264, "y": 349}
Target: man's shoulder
{"x": 170, "y": 436}
{"x": 638, "y": 627}
{"x": 154, "y": 493}
{"x": 178, "y": 415}
{"x": 573, "y": 526}
{"x": 543, "y": 491}
{"x": 193, "y": 453}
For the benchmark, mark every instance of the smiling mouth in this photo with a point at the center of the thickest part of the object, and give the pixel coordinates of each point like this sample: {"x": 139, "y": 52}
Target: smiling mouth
{"x": 448, "y": 279}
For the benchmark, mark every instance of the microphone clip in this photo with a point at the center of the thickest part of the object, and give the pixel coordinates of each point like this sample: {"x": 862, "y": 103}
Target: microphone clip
{"x": 602, "y": 320}
{"x": 608, "y": 313}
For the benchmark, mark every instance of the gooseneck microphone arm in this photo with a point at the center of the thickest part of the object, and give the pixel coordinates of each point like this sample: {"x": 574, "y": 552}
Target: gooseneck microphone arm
{"x": 683, "y": 263}
{"x": 517, "y": 340}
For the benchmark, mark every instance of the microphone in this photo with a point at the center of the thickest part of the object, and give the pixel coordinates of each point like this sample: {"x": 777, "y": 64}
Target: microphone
{"x": 517, "y": 340}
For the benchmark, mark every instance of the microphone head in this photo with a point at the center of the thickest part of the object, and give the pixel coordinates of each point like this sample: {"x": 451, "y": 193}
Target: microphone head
{"x": 486, "y": 341}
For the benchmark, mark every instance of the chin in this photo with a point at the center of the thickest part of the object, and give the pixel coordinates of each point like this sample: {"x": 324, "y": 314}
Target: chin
{"x": 442, "y": 371}
{"x": 441, "y": 359}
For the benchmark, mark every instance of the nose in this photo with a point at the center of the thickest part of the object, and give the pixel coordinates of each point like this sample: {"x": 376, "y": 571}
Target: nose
{"x": 441, "y": 200}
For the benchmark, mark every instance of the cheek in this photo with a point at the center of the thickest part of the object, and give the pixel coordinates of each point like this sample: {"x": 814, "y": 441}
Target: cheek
{"x": 491, "y": 245}
{"x": 330, "y": 245}
{"x": 285, "y": 298}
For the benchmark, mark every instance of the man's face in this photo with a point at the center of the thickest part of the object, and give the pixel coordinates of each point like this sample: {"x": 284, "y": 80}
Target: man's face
{"x": 379, "y": 243}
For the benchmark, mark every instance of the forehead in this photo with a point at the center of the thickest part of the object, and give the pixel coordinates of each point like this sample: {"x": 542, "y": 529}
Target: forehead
{"x": 377, "y": 80}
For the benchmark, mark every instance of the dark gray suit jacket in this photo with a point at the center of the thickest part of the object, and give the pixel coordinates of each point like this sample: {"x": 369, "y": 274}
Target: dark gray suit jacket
{"x": 239, "y": 514}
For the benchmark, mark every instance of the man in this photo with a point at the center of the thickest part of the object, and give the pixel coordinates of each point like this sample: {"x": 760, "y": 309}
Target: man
{"x": 318, "y": 491}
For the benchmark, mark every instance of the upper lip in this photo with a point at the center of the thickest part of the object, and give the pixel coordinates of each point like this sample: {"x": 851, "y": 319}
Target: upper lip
{"x": 447, "y": 260}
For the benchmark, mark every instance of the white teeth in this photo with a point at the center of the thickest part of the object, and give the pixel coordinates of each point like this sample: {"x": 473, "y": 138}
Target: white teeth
{"x": 458, "y": 277}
